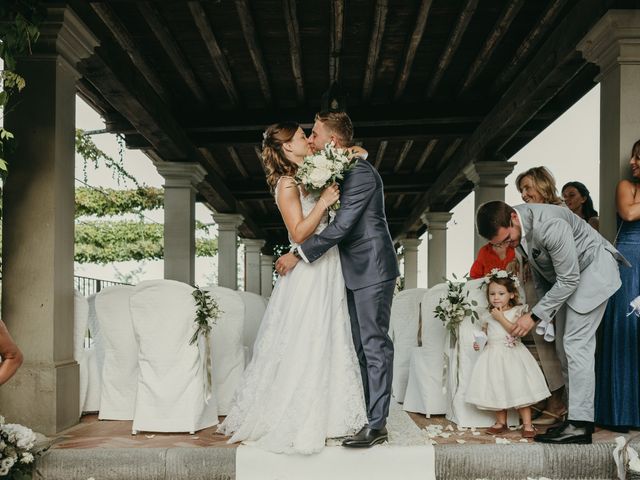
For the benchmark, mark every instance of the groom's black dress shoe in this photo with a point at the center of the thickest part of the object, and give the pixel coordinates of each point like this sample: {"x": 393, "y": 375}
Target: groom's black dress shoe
{"x": 566, "y": 433}
{"x": 367, "y": 437}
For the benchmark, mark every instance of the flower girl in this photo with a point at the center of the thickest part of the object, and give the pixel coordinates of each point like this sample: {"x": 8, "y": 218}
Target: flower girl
{"x": 506, "y": 375}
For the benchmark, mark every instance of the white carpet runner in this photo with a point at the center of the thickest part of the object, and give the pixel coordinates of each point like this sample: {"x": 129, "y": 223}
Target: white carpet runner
{"x": 408, "y": 455}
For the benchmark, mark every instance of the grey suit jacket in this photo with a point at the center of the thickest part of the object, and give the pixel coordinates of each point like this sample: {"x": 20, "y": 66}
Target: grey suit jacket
{"x": 572, "y": 263}
{"x": 360, "y": 230}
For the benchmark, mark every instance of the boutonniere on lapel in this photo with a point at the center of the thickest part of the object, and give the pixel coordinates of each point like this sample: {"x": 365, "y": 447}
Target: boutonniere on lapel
{"x": 535, "y": 253}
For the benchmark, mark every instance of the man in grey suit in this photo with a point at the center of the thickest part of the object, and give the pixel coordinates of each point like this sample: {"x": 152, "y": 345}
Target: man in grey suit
{"x": 369, "y": 267}
{"x": 575, "y": 272}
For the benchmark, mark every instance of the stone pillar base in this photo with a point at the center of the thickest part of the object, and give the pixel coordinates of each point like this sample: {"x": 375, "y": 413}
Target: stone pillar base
{"x": 35, "y": 385}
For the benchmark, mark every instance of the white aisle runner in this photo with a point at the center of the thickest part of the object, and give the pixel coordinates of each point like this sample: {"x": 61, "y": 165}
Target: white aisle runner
{"x": 408, "y": 455}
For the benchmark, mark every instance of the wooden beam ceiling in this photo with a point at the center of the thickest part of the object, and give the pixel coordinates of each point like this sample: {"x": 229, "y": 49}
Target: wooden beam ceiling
{"x": 554, "y": 65}
{"x": 499, "y": 30}
{"x": 295, "y": 49}
{"x": 529, "y": 43}
{"x": 425, "y": 154}
{"x": 335, "y": 39}
{"x": 159, "y": 28}
{"x": 250, "y": 37}
{"x": 403, "y": 155}
{"x": 412, "y": 47}
{"x": 452, "y": 45}
{"x": 219, "y": 60}
{"x": 382, "y": 147}
{"x": 125, "y": 40}
{"x": 375, "y": 44}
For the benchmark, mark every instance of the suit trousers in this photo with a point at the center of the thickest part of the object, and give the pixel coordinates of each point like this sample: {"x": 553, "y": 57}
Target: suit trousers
{"x": 576, "y": 347}
{"x": 370, "y": 311}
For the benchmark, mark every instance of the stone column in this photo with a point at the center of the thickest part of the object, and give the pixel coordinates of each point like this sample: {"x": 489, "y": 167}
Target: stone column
{"x": 38, "y": 224}
{"x": 489, "y": 180}
{"x": 436, "y": 223}
{"x": 410, "y": 253}
{"x": 180, "y": 181}
{"x": 614, "y": 45}
{"x": 266, "y": 273}
{"x": 228, "y": 224}
{"x": 252, "y": 264}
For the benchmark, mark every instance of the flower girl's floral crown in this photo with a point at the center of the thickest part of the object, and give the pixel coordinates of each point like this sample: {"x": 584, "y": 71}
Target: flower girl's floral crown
{"x": 497, "y": 273}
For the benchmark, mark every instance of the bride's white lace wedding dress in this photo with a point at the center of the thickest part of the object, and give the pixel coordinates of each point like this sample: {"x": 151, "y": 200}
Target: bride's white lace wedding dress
{"x": 303, "y": 384}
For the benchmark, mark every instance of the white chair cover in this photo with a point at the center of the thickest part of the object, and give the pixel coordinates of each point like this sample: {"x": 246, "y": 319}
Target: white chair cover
{"x": 94, "y": 360}
{"x": 120, "y": 368}
{"x": 459, "y": 411}
{"x": 171, "y": 380}
{"x": 254, "y": 308}
{"x": 80, "y": 319}
{"x": 403, "y": 330}
{"x": 424, "y": 392}
{"x": 227, "y": 345}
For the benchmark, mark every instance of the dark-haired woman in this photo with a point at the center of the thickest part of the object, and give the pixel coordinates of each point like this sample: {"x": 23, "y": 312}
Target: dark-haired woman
{"x": 576, "y": 196}
{"x": 618, "y": 355}
{"x": 303, "y": 384}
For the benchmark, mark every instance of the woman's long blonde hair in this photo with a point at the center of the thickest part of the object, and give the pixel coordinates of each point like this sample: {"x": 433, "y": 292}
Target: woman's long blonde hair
{"x": 275, "y": 162}
{"x": 543, "y": 182}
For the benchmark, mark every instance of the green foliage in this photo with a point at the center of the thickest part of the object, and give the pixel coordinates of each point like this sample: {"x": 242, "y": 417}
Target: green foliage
{"x": 19, "y": 20}
{"x": 207, "y": 313}
{"x": 87, "y": 149}
{"x": 104, "y": 242}
{"x": 109, "y": 201}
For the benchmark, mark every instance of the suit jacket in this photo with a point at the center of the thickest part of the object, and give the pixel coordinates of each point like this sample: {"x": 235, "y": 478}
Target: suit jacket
{"x": 360, "y": 230}
{"x": 572, "y": 262}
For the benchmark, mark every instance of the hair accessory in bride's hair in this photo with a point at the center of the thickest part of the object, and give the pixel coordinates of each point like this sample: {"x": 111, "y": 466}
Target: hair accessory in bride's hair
{"x": 497, "y": 273}
{"x": 264, "y": 139}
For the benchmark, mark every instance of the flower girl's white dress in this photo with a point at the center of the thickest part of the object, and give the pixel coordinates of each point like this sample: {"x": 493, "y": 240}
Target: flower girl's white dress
{"x": 303, "y": 384}
{"x": 505, "y": 375}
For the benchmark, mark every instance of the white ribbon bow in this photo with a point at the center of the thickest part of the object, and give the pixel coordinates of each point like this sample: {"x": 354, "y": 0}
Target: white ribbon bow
{"x": 635, "y": 307}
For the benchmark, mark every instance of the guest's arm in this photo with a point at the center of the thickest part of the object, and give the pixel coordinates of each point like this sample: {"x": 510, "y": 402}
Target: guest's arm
{"x": 628, "y": 201}
{"x": 10, "y": 353}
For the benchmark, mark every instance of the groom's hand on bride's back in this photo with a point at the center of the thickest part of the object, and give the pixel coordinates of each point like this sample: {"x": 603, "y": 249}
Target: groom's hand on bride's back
{"x": 286, "y": 263}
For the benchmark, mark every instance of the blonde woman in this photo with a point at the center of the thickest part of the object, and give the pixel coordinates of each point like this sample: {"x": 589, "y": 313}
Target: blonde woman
{"x": 537, "y": 185}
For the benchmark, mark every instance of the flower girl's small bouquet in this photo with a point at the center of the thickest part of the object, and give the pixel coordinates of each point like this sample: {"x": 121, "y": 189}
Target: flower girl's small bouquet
{"x": 455, "y": 307}
{"x": 323, "y": 168}
{"x": 17, "y": 451}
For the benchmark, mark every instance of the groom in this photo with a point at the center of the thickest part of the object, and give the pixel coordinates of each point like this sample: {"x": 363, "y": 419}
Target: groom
{"x": 575, "y": 271}
{"x": 369, "y": 267}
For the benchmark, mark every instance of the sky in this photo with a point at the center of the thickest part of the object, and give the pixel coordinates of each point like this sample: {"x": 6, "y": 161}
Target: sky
{"x": 569, "y": 147}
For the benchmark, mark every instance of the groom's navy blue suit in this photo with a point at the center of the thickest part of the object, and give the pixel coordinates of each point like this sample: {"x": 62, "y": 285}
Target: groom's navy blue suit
{"x": 370, "y": 268}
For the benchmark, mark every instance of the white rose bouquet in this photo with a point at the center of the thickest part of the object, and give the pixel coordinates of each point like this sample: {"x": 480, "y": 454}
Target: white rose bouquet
{"x": 323, "y": 168}
{"x": 17, "y": 453}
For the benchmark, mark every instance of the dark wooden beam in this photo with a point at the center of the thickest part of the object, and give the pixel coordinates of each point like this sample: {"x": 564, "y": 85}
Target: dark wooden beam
{"x": 335, "y": 39}
{"x": 237, "y": 162}
{"x": 295, "y": 49}
{"x": 412, "y": 47}
{"x": 213, "y": 162}
{"x": 249, "y": 31}
{"x": 403, "y": 154}
{"x": 499, "y": 30}
{"x": 125, "y": 40}
{"x": 380, "y": 155}
{"x": 159, "y": 28}
{"x": 398, "y": 201}
{"x": 425, "y": 154}
{"x": 526, "y": 47}
{"x": 377, "y": 33}
{"x": 452, "y": 45}
{"x": 92, "y": 97}
{"x": 448, "y": 153}
{"x": 552, "y": 68}
{"x": 219, "y": 60}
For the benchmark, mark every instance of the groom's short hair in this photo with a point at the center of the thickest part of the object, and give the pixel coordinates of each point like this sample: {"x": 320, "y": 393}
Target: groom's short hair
{"x": 340, "y": 124}
{"x": 492, "y": 216}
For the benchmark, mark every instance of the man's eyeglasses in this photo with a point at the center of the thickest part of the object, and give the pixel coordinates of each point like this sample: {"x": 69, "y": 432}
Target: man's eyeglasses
{"x": 507, "y": 240}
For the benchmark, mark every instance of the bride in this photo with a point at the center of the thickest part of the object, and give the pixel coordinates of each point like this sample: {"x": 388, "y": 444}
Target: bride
{"x": 303, "y": 384}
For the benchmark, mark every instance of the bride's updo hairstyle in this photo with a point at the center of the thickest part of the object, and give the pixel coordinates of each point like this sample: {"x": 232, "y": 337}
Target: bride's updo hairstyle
{"x": 275, "y": 162}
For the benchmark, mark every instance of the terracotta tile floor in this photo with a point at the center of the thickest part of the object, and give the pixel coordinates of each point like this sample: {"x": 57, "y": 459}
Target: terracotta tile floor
{"x": 92, "y": 433}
